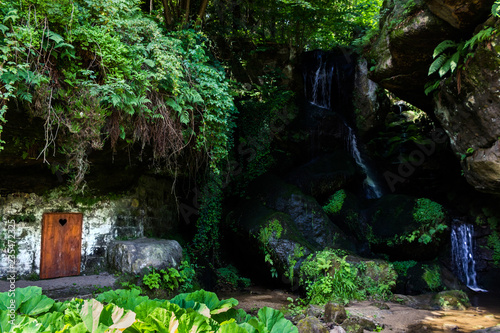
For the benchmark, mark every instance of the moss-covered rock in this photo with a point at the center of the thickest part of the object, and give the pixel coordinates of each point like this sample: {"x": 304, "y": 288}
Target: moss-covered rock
{"x": 468, "y": 109}
{"x": 356, "y": 324}
{"x": 311, "y": 325}
{"x": 451, "y": 300}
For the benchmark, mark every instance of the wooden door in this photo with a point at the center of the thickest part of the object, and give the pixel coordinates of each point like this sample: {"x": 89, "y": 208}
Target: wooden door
{"x": 61, "y": 245}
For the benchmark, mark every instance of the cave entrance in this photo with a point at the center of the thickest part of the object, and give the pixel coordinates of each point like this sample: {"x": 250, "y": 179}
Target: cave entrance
{"x": 61, "y": 245}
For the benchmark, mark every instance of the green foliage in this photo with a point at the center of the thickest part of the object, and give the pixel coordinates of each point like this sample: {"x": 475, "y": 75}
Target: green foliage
{"x": 494, "y": 244}
{"x": 206, "y": 241}
{"x": 124, "y": 310}
{"x": 267, "y": 233}
{"x": 335, "y": 203}
{"x": 402, "y": 267}
{"x": 169, "y": 279}
{"x": 305, "y": 24}
{"x": 327, "y": 276}
{"x": 229, "y": 278}
{"x": 432, "y": 276}
{"x": 100, "y": 71}
{"x": 430, "y": 216}
{"x": 298, "y": 252}
{"x": 448, "y": 62}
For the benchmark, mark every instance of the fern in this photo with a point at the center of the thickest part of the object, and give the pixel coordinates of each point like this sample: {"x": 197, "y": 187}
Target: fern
{"x": 437, "y": 63}
{"x": 442, "y": 47}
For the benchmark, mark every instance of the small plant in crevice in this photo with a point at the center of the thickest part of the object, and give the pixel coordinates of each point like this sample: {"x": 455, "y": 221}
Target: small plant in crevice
{"x": 273, "y": 230}
{"x": 335, "y": 203}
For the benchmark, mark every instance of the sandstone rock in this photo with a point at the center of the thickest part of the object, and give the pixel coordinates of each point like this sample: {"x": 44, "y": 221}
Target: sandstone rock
{"x": 467, "y": 107}
{"x": 461, "y": 14}
{"x": 356, "y": 324}
{"x": 133, "y": 256}
{"x": 402, "y": 53}
{"x": 370, "y": 108}
{"x": 311, "y": 325}
{"x": 334, "y": 313}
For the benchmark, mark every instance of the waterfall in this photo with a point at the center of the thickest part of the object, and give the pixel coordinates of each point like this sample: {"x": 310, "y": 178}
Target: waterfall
{"x": 462, "y": 254}
{"x": 324, "y": 79}
{"x": 372, "y": 189}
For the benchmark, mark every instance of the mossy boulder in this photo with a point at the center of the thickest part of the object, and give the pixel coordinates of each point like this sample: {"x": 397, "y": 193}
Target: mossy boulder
{"x": 356, "y": 324}
{"x": 284, "y": 225}
{"x": 311, "y": 325}
{"x": 451, "y": 300}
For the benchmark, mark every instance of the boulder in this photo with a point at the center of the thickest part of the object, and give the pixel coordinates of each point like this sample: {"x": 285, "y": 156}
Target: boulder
{"x": 370, "y": 106}
{"x": 468, "y": 108}
{"x": 334, "y": 313}
{"x": 451, "y": 300}
{"x": 402, "y": 52}
{"x": 357, "y": 324}
{"x": 311, "y": 325}
{"x": 461, "y": 14}
{"x": 133, "y": 256}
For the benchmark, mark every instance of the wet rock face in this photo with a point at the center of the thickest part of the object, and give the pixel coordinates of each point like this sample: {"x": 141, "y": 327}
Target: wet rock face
{"x": 133, "y": 256}
{"x": 468, "y": 108}
{"x": 402, "y": 53}
{"x": 461, "y": 14}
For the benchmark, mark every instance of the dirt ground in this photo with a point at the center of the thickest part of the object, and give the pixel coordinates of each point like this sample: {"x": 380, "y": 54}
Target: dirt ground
{"x": 397, "y": 319}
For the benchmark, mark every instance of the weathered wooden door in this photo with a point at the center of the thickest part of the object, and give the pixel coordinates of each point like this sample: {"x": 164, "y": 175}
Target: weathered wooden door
{"x": 61, "y": 245}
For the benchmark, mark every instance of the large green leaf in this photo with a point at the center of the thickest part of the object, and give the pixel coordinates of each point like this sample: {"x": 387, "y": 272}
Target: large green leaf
{"x": 24, "y": 294}
{"x": 51, "y": 321}
{"x": 208, "y": 298}
{"x": 36, "y": 305}
{"x": 231, "y": 327}
{"x": 193, "y": 322}
{"x": 127, "y": 299}
{"x": 163, "y": 321}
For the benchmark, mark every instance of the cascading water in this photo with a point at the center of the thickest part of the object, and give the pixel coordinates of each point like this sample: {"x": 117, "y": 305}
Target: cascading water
{"x": 319, "y": 83}
{"x": 371, "y": 187}
{"x": 462, "y": 254}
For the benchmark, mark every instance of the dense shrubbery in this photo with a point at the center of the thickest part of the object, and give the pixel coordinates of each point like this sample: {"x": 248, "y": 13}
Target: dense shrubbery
{"x": 328, "y": 276}
{"x": 100, "y": 71}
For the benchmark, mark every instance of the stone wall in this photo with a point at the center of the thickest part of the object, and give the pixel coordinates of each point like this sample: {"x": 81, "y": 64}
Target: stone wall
{"x": 104, "y": 219}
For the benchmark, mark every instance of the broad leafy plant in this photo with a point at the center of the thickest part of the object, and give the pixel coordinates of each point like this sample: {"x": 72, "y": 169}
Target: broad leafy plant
{"x": 124, "y": 311}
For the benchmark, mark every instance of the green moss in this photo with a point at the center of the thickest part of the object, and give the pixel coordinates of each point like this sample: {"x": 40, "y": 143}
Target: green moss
{"x": 432, "y": 277}
{"x": 335, "y": 203}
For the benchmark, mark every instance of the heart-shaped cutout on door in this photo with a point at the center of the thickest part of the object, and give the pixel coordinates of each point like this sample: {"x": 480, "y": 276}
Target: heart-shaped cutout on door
{"x": 62, "y": 222}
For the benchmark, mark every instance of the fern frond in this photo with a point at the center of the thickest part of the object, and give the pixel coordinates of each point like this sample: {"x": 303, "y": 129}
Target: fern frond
{"x": 445, "y": 68}
{"x": 443, "y": 46}
{"x": 455, "y": 58}
{"x": 436, "y": 65}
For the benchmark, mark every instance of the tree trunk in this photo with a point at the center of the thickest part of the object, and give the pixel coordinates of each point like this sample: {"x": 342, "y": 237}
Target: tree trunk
{"x": 201, "y": 14}
{"x": 166, "y": 13}
{"x": 186, "y": 14}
